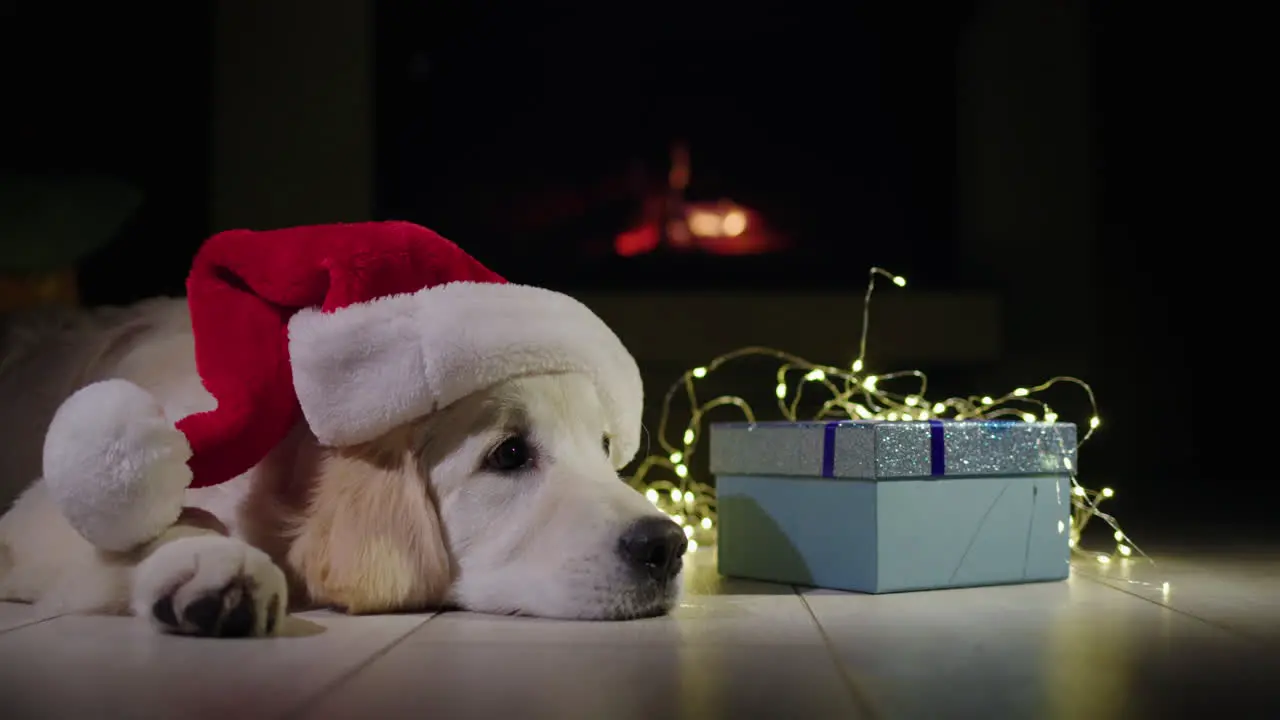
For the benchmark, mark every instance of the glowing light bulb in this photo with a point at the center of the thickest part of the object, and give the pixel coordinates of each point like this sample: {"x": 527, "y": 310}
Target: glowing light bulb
{"x": 912, "y": 400}
{"x": 781, "y": 390}
{"x": 1124, "y": 550}
{"x": 652, "y": 495}
{"x": 688, "y": 531}
{"x": 699, "y": 372}
{"x": 1119, "y": 536}
{"x": 986, "y": 400}
{"x": 682, "y": 471}
{"x": 939, "y": 408}
{"x": 688, "y": 436}
{"x": 1108, "y": 492}
{"x": 899, "y": 281}
{"x": 1066, "y": 463}
{"x": 705, "y": 224}
{"x": 1020, "y": 392}
{"x": 1077, "y": 491}
{"x": 1095, "y": 421}
{"x": 677, "y": 457}
{"x": 1050, "y": 417}
{"x": 734, "y": 223}
{"x": 870, "y": 383}
{"x": 1028, "y": 417}
{"x": 1104, "y": 559}
{"x": 816, "y": 375}
{"x": 863, "y": 412}
{"x": 676, "y": 495}
{"x": 693, "y": 545}
{"x": 678, "y": 519}
{"x": 706, "y": 523}
{"x": 857, "y": 365}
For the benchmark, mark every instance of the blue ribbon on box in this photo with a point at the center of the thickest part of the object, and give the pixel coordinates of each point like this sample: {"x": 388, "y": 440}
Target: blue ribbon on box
{"x": 937, "y": 449}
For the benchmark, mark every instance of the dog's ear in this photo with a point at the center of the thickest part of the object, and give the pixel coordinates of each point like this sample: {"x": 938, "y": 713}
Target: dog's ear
{"x": 370, "y": 538}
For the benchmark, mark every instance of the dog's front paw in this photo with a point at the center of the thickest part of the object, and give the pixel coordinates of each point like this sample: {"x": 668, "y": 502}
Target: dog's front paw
{"x": 210, "y": 586}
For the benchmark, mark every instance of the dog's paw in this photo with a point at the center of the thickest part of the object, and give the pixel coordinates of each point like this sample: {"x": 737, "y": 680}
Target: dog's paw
{"x": 210, "y": 586}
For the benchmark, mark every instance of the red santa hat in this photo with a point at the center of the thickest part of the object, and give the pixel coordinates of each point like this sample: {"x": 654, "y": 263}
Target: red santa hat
{"x": 354, "y": 328}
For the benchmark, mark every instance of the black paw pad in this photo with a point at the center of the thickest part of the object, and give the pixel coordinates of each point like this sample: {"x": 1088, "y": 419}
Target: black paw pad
{"x": 228, "y": 612}
{"x": 163, "y": 612}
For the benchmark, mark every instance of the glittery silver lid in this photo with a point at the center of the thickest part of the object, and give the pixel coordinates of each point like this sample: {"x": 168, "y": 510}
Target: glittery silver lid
{"x": 870, "y": 449}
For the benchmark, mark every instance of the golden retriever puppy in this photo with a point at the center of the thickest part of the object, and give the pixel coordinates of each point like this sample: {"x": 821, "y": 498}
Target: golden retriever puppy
{"x": 504, "y": 502}
{"x": 507, "y": 500}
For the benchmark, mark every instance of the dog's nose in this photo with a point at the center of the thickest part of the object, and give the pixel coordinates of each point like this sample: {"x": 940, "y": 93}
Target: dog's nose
{"x": 655, "y": 546}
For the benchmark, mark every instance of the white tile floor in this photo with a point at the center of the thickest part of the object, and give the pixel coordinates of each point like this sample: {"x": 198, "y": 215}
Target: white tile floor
{"x": 1097, "y": 646}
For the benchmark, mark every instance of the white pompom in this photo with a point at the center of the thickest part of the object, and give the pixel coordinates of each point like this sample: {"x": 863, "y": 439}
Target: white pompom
{"x": 115, "y": 465}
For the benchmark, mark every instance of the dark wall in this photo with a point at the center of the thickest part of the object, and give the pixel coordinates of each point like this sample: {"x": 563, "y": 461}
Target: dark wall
{"x": 121, "y": 90}
{"x": 1184, "y": 280}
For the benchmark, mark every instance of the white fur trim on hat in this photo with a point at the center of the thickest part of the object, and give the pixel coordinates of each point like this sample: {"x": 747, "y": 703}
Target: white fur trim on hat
{"x": 115, "y": 465}
{"x": 364, "y": 369}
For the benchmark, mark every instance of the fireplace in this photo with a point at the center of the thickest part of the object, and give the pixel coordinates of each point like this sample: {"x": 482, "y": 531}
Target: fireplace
{"x": 673, "y": 148}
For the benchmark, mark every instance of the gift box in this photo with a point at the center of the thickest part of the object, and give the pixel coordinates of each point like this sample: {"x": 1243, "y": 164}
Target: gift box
{"x": 878, "y": 507}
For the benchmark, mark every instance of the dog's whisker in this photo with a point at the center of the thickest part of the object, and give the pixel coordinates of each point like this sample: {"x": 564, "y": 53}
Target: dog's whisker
{"x": 648, "y": 440}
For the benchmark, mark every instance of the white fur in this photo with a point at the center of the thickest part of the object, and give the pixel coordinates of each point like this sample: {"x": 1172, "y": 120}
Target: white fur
{"x": 365, "y": 368}
{"x": 115, "y": 465}
{"x": 540, "y": 542}
{"x": 543, "y": 542}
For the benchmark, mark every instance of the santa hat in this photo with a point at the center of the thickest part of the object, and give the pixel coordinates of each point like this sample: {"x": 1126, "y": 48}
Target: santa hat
{"x": 354, "y": 328}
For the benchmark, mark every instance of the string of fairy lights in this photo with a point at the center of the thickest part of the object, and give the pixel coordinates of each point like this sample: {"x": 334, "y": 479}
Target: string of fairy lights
{"x": 851, "y": 393}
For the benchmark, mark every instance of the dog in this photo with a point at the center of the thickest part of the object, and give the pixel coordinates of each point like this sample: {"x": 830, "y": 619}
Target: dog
{"x": 503, "y": 502}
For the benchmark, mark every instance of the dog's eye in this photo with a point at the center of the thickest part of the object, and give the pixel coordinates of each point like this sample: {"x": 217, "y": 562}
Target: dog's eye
{"x": 511, "y": 454}
{"x": 607, "y": 445}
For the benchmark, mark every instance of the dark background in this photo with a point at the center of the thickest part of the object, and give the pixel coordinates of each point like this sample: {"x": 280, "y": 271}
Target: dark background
{"x": 1065, "y": 160}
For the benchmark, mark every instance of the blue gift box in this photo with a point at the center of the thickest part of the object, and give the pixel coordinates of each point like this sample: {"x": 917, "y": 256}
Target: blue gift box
{"x": 879, "y": 507}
